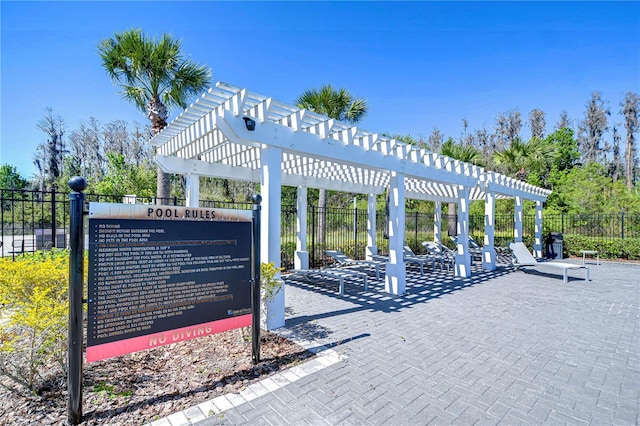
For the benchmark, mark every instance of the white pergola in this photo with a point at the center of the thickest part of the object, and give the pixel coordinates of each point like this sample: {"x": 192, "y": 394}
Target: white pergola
{"x": 297, "y": 147}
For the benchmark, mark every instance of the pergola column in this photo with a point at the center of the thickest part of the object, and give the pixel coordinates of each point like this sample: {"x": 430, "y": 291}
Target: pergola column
{"x": 396, "y": 274}
{"x": 301, "y": 260}
{"x": 488, "y": 249}
{"x": 372, "y": 245}
{"x": 517, "y": 220}
{"x": 193, "y": 190}
{"x": 270, "y": 188}
{"x": 537, "y": 245}
{"x": 463, "y": 258}
{"x": 437, "y": 221}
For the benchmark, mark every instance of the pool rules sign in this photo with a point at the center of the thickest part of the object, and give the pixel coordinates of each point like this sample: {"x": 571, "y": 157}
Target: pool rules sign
{"x": 161, "y": 274}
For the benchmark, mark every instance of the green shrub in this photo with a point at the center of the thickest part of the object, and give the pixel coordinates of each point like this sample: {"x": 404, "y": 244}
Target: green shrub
{"x": 615, "y": 248}
{"x": 35, "y": 312}
{"x": 269, "y": 285}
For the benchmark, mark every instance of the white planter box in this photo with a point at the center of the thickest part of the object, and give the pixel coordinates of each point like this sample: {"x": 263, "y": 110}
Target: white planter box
{"x": 272, "y": 312}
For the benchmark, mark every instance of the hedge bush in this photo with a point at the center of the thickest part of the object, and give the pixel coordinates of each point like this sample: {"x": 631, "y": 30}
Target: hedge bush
{"x": 615, "y": 248}
{"x": 35, "y": 312}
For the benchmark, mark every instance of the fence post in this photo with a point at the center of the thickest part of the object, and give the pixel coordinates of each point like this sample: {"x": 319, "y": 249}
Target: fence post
{"x": 313, "y": 235}
{"x": 622, "y": 225}
{"x": 76, "y": 276}
{"x": 53, "y": 218}
{"x": 562, "y": 222}
{"x": 355, "y": 227}
{"x": 255, "y": 287}
{"x": 416, "y": 228}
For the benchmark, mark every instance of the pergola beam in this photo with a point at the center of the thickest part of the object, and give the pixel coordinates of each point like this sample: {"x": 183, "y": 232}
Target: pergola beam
{"x": 297, "y": 147}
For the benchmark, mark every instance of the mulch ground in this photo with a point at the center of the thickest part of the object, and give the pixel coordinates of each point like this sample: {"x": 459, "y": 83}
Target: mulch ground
{"x": 145, "y": 386}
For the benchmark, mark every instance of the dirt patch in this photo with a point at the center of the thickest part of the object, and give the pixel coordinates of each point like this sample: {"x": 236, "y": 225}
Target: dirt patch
{"x": 145, "y": 386}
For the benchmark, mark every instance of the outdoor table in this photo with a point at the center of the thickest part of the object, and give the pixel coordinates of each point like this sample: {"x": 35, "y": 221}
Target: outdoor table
{"x": 590, "y": 252}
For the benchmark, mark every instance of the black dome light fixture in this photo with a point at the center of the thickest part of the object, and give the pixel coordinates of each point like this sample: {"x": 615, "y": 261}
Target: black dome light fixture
{"x": 250, "y": 123}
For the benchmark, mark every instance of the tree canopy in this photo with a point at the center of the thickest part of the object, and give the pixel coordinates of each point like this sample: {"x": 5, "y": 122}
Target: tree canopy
{"x": 152, "y": 73}
{"x": 339, "y": 104}
{"x": 11, "y": 179}
{"x": 154, "y": 76}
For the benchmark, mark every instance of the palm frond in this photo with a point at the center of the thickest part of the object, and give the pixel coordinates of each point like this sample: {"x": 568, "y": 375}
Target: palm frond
{"x": 336, "y": 104}
{"x": 147, "y": 68}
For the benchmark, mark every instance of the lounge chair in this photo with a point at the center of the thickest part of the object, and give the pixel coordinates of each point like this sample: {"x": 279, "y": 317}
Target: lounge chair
{"x": 411, "y": 257}
{"x": 344, "y": 261}
{"x": 474, "y": 247}
{"x": 338, "y": 274}
{"x": 523, "y": 258}
{"x": 441, "y": 252}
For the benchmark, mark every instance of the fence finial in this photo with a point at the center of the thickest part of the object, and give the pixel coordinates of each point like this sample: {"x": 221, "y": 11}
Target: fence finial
{"x": 78, "y": 183}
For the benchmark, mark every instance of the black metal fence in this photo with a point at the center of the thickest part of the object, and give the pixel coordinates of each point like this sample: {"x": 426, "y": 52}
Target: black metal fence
{"x": 30, "y": 219}
{"x": 346, "y": 230}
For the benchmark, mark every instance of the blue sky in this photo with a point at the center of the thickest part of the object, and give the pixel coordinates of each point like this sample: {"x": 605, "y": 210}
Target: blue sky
{"x": 419, "y": 65}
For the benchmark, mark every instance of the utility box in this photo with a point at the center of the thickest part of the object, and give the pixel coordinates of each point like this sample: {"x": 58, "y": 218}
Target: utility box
{"x": 554, "y": 245}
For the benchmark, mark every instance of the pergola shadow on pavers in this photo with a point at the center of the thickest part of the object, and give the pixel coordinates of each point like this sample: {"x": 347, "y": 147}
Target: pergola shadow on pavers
{"x": 232, "y": 133}
{"x": 419, "y": 289}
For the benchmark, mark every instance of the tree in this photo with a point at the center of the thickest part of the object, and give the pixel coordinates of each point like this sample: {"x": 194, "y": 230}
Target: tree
{"x": 564, "y": 121}
{"x": 154, "y": 76}
{"x": 565, "y": 148}
{"x": 436, "y": 138}
{"x": 86, "y": 151}
{"x": 537, "y": 123}
{"x": 615, "y": 167}
{"x": 124, "y": 178}
{"x": 484, "y": 144}
{"x": 138, "y": 152}
{"x": 588, "y": 190}
{"x": 337, "y": 104}
{"x": 50, "y": 155}
{"x": 467, "y": 138}
{"x": 465, "y": 153}
{"x": 507, "y": 128}
{"x": 10, "y": 179}
{"x": 566, "y": 154}
{"x": 630, "y": 111}
{"x": 340, "y": 105}
{"x": 521, "y": 158}
{"x": 116, "y": 137}
{"x": 592, "y": 128}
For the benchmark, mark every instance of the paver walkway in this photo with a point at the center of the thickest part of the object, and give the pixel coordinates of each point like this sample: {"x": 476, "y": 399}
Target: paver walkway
{"x": 504, "y": 347}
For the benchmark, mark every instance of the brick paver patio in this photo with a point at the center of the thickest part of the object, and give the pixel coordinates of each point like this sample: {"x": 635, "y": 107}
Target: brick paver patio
{"x": 505, "y": 347}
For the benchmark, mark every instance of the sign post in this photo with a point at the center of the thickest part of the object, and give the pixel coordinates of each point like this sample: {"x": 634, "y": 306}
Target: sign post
{"x": 255, "y": 287}
{"x": 76, "y": 276}
{"x": 158, "y": 275}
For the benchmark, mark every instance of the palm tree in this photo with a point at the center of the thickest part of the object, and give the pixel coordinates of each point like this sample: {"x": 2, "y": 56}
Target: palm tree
{"x": 522, "y": 157}
{"x": 468, "y": 154}
{"x": 154, "y": 76}
{"x": 337, "y": 104}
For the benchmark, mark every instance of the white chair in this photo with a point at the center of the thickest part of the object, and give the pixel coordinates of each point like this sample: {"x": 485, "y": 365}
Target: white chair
{"x": 440, "y": 252}
{"x": 523, "y": 258}
{"x": 410, "y": 257}
{"x": 340, "y": 275}
{"x": 343, "y": 260}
